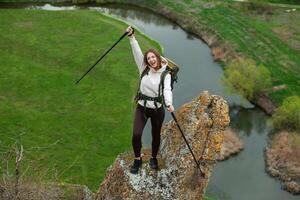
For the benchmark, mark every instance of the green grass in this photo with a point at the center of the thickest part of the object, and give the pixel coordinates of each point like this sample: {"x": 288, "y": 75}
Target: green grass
{"x": 209, "y": 198}
{"x": 76, "y": 130}
{"x": 294, "y": 139}
{"x": 285, "y": 1}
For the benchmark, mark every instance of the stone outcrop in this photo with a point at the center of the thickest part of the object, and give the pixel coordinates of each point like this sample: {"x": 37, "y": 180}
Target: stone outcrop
{"x": 265, "y": 103}
{"x": 203, "y": 122}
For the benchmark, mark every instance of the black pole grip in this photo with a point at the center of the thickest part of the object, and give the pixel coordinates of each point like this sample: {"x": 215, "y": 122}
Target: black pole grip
{"x": 132, "y": 32}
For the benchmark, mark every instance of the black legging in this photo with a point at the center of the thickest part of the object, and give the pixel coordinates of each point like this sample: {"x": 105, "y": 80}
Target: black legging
{"x": 140, "y": 119}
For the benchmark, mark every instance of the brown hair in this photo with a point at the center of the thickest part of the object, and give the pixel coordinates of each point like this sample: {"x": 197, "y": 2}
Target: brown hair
{"x": 155, "y": 53}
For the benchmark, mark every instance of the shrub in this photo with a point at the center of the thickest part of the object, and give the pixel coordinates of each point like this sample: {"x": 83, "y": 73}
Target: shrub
{"x": 259, "y": 6}
{"x": 245, "y": 77}
{"x": 287, "y": 116}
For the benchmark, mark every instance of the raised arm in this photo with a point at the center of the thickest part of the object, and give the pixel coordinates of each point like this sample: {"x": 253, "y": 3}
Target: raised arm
{"x": 136, "y": 50}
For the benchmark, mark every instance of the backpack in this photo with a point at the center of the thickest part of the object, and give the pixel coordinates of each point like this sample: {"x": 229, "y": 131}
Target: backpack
{"x": 172, "y": 69}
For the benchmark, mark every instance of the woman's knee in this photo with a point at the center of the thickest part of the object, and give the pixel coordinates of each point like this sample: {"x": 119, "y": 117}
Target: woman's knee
{"x": 136, "y": 135}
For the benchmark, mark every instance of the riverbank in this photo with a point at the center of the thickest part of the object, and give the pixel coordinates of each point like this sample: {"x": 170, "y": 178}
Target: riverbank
{"x": 283, "y": 160}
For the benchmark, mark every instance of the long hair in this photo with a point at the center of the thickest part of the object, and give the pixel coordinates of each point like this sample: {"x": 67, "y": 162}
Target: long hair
{"x": 155, "y": 53}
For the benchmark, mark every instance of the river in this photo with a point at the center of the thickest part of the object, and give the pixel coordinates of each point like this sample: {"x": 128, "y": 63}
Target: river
{"x": 243, "y": 176}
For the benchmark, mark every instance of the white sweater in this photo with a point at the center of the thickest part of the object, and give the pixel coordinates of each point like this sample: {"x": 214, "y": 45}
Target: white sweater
{"x": 150, "y": 82}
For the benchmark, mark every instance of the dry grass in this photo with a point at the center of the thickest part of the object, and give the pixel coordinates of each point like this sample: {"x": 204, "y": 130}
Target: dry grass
{"x": 217, "y": 53}
{"x": 28, "y": 190}
{"x": 231, "y": 146}
{"x": 31, "y": 190}
{"x": 284, "y": 155}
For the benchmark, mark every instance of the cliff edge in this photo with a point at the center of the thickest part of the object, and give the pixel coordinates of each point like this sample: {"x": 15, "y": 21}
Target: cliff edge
{"x": 203, "y": 122}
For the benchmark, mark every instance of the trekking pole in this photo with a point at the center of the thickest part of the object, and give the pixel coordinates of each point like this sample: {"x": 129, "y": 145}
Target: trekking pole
{"x": 102, "y": 57}
{"x": 205, "y": 144}
{"x": 174, "y": 117}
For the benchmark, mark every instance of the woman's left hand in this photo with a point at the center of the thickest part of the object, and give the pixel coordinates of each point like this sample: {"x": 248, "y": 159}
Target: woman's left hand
{"x": 130, "y": 31}
{"x": 170, "y": 108}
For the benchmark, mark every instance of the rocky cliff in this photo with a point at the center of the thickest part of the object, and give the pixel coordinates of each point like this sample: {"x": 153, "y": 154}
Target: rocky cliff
{"x": 203, "y": 122}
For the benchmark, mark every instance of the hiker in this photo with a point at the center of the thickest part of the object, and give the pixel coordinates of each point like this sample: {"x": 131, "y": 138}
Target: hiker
{"x": 150, "y": 100}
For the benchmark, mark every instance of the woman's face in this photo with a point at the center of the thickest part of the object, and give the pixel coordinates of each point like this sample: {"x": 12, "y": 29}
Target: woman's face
{"x": 152, "y": 60}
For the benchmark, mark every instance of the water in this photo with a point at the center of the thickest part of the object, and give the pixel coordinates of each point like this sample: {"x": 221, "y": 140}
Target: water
{"x": 241, "y": 177}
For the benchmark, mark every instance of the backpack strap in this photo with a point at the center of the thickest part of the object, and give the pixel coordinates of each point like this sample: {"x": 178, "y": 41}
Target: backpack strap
{"x": 145, "y": 72}
{"x": 161, "y": 86}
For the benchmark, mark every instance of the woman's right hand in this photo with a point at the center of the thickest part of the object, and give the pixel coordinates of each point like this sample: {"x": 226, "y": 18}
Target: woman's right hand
{"x": 170, "y": 108}
{"x": 129, "y": 31}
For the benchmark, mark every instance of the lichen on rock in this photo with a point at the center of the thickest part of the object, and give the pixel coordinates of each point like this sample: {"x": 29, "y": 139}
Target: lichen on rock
{"x": 203, "y": 122}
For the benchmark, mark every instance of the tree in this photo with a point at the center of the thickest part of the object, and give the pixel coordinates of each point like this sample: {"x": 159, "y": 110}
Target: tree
{"x": 245, "y": 77}
{"x": 287, "y": 116}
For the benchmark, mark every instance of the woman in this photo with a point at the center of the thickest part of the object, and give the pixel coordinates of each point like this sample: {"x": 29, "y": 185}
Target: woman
{"x": 150, "y": 100}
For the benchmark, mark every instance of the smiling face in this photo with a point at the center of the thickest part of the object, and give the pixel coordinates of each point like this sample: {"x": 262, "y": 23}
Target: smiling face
{"x": 152, "y": 59}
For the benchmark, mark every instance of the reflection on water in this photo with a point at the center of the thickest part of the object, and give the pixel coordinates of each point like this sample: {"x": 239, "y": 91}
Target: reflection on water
{"x": 246, "y": 120}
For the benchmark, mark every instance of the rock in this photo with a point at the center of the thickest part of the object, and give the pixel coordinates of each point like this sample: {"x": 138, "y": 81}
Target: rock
{"x": 279, "y": 87}
{"x": 292, "y": 187}
{"x": 203, "y": 122}
{"x": 264, "y": 102}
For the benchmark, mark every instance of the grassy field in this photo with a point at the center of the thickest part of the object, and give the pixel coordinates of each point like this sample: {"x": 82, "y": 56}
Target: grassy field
{"x": 72, "y": 131}
{"x": 285, "y": 1}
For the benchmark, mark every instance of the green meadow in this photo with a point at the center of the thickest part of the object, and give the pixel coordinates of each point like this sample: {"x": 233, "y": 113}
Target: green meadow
{"x": 70, "y": 133}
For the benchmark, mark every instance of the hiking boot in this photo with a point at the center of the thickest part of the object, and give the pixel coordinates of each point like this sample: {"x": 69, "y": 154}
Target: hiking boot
{"x": 153, "y": 163}
{"x": 136, "y": 165}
